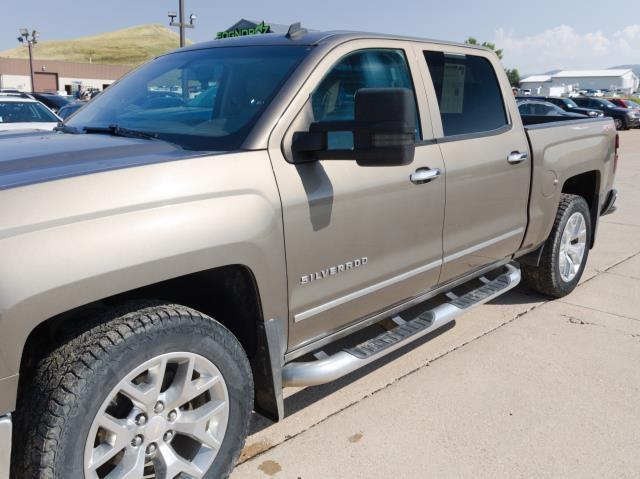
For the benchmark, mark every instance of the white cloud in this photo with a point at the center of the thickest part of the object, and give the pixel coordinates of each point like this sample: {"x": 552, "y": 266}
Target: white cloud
{"x": 563, "y": 47}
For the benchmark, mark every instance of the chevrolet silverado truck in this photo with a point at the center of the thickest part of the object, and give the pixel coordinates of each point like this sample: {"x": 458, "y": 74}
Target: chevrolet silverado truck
{"x": 263, "y": 212}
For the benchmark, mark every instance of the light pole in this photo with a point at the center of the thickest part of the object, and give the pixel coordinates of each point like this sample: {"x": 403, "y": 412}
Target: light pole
{"x": 30, "y": 40}
{"x": 180, "y": 23}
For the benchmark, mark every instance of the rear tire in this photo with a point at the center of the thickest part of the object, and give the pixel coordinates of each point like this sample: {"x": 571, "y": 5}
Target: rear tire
{"x": 83, "y": 401}
{"x": 565, "y": 252}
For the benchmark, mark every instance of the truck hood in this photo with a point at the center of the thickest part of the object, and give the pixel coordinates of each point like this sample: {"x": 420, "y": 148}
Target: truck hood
{"x": 35, "y": 157}
{"x": 28, "y": 126}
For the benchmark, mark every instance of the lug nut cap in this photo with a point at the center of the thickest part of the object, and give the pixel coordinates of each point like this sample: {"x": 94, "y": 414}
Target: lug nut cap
{"x": 168, "y": 436}
{"x": 159, "y": 407}
{"x": 136, "y": 441}
{"x": 151, "y": 448}
{"x": 141, "y": 419}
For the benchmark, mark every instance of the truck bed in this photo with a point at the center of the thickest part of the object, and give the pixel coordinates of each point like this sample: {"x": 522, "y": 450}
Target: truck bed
{"x": 560, "y": 150}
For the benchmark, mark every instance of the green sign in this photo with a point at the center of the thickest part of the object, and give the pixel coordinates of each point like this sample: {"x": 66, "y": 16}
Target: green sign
{"x": 243, "y": 32}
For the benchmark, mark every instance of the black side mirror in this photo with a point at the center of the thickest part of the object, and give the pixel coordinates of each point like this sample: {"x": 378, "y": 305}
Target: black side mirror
{"x": 383, "y": 131}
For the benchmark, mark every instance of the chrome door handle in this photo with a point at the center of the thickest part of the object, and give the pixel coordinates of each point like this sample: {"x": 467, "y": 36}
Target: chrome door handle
{"x": 424, "y": 175}
{"x": 516, "y": 157}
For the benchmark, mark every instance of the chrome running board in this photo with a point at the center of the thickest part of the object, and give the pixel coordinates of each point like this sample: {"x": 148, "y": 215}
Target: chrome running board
{"x": 330, "y": 368}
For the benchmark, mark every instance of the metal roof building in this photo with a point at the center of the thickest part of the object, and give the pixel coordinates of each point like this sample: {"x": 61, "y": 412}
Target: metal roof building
{"x": 623, "y": 80}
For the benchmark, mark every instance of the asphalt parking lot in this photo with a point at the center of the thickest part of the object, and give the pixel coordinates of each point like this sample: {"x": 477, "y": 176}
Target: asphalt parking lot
{"x": 520, "y": 387}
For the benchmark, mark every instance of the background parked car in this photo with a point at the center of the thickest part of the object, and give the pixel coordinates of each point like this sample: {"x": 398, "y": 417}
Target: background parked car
{"x": 53, "y": 101}
{"x": 593, "y": 93}
{"x": 623, "y": 103}
{"x": 69, "y": 109}
{"x": 21, "y": 112}
{"x": 567, "y": 104}
{"x": 544, "y": 108}
{"x": 623, "y": 118}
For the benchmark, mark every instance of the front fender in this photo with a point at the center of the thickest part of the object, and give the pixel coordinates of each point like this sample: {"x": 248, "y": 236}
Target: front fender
{"x": 67, "y": 243}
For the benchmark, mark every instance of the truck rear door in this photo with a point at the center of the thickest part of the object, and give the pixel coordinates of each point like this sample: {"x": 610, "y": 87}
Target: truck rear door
{"x": 486, "y": 157}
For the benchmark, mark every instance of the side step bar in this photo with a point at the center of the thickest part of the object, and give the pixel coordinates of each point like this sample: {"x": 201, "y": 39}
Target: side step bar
{"x": 330, "y": 368}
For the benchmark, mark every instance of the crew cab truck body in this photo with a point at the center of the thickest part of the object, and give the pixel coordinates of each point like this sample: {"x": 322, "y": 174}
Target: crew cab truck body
{"x": 164, "y": 262}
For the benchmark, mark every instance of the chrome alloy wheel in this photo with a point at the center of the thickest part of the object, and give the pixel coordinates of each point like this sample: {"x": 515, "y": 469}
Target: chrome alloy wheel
{"x": 572, "y": 247}
{"x": 166, "y": 418}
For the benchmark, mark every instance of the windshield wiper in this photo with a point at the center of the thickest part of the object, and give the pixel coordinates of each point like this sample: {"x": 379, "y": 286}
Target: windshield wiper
{"x": 66, "y": 129}
{"x": 117, "y": 130}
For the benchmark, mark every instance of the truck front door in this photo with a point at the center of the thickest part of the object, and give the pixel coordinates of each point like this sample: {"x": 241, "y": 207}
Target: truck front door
{"x": 486, "y": 156}
{"x": 358, "y": 239}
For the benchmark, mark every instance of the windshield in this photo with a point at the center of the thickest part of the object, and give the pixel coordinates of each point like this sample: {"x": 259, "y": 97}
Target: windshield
{"x": 201, "y": 100}
{"x": 570, "y": 103}
{"x": 631, "y": 104}
{"x": 25, "y": 112}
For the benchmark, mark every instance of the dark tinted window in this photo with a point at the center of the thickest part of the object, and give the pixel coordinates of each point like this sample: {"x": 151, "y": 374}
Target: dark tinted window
{"x": 334, "y": 98}
{"x": 468, "y": 93}
{"x": 525, "y": 109}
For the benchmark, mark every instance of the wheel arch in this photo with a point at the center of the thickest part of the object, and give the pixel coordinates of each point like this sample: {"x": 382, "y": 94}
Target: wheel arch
{"x": 587, "y": 186}
{"x": 229, "y": 294}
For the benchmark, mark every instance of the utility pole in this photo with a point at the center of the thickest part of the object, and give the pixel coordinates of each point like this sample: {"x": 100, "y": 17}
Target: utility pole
{"x": 180, "y": 23}
{"x": 30, "y": 40}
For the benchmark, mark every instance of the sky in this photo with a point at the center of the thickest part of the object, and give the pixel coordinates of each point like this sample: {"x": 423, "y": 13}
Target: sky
{"x": 548, "y": 36}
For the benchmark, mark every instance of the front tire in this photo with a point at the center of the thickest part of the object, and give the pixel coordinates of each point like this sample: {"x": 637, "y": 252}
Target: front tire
{"x": 149, "y": 391}
{"x": 565, "y": 252}
{"x": 621, "y": 124}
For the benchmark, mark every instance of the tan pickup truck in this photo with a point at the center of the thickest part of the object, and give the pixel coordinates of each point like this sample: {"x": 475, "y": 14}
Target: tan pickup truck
{"x": 217, "y": 225}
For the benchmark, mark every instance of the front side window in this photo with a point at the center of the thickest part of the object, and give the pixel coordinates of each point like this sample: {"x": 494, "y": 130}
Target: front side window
{"x": 334, "y": 98}
{"x": 25, "y": 112}
{"x": 468, "y": 92}
{"x": 200, "y": 99}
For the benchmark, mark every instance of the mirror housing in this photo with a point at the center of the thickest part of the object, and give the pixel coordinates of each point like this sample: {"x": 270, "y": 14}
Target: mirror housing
{"x": 383, "y": 131}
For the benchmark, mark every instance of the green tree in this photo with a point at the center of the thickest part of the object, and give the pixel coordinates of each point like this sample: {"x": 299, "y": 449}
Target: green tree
{"x": 489, "y": 45}
{"x": 514, "y": 76}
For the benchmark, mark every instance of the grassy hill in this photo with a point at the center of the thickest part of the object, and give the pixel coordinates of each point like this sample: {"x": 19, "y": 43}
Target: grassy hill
{"x": 129, "y": 46}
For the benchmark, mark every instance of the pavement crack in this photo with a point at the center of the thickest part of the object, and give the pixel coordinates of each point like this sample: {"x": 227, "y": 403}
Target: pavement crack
{"x": 574, "y": 320}
{"x": 597, "y": 311}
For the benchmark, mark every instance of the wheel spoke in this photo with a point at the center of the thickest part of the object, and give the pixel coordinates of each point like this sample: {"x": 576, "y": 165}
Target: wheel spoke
{"x": 570, "y": 266}
{"x": 183, "y": 389}
{"x": 146, "y": 393}
{"x": 102, "y": 454}
{"x": 131, "y": 467}
{"x": 119, "y": 437}
{"x": 577, "y": 225}
{"x": 198, "y": 424}
{"x": 576, "y": 251}
{"x": 169, "y": 464}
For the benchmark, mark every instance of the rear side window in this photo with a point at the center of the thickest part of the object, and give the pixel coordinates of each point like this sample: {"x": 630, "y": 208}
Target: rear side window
{"x": 334, "y": 98}
{"x": 468, "y": 93}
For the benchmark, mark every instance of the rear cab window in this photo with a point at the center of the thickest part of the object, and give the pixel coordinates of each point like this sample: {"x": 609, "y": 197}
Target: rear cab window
{"x": 468, "y": 93}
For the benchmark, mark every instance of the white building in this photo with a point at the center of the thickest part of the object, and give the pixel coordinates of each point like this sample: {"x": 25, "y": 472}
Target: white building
{"x": 623, "y": 80}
